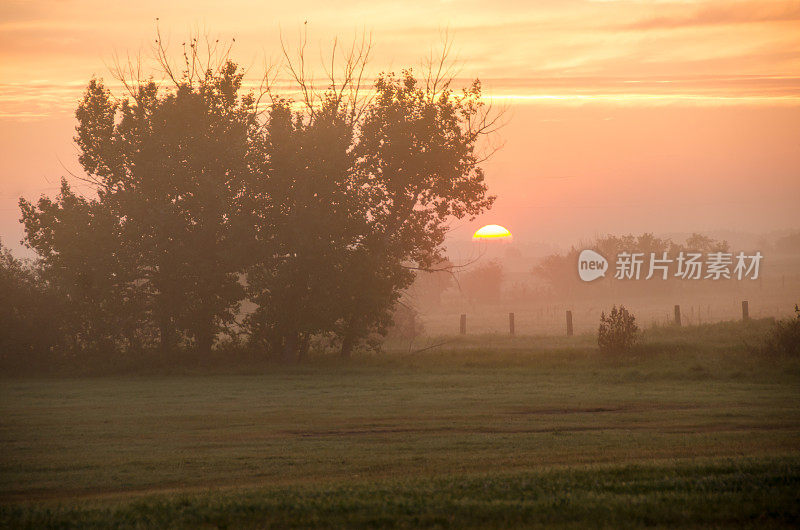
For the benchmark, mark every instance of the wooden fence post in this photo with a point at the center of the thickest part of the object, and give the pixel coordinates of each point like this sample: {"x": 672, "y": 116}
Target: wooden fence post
{"x": 511, "y": 324}
{"x": 569, "y": 323}
{"x": 678, "y": 315}
{"x": 463, "y": 324}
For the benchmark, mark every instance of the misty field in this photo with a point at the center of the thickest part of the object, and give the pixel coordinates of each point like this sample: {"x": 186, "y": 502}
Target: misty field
{"x": 491, "y": 431}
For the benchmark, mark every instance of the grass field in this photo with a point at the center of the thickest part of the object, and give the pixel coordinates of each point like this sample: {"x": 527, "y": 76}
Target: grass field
{"x": 488, "y": 432}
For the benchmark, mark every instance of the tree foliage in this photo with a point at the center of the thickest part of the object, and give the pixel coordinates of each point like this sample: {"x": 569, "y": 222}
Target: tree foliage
{"x": 167, "y": 166}
{"x": 317, "y": 211}
{"x": 558, "y": 270}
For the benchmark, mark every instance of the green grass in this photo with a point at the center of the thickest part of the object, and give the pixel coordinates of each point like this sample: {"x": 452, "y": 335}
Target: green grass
{"x": 493, "y": 436}
{"x": 749, "y": 493}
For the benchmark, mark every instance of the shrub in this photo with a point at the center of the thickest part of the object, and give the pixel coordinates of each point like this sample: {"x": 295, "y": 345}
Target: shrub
{"x": 784, "y": 338}
{"x": 618, "y": 331}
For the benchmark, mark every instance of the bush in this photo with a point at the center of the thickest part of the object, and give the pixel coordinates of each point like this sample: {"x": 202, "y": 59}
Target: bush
{"x": 618, "y": 331}
{"x": 784, "y": 338}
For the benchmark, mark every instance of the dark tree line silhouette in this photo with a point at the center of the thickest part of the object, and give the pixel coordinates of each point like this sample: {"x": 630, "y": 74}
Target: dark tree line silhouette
{"x": 316, "y": 213}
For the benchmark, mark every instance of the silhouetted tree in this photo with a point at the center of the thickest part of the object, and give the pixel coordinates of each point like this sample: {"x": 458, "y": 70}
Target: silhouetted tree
{"x": 307, "y": 218}
{"x": 86, "y": 266}
{"x": 355, "y": 195}
{"x": 417, "y": 168}
{"x": 167, "y": 166}
{"x": 319, "y": 212}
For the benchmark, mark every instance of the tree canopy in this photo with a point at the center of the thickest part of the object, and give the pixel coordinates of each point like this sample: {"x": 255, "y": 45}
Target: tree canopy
{"x": 316, "y": 211}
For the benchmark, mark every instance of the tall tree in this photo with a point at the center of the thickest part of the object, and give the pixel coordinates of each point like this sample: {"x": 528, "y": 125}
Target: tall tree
{"x": 322, "y": 210}
{"x": 417, "y": 169}
{"x": 309, "y": 217}
{"x": 358, "y": 198}
{"x": 86, "y": 269}
{"x": 168, "y": 165}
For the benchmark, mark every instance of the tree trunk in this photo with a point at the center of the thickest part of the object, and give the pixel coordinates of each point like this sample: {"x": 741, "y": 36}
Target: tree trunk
{"x": 348, "y": 343}
{"x": 289, "y": 354}
{"x": 303, "y": 350}
{"x": 167, "y": 335}
{"x": 205, "y": 336}
{"x": 351, "y": 336}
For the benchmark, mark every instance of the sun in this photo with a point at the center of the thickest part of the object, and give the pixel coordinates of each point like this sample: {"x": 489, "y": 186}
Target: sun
{"x": 492, "y": 232}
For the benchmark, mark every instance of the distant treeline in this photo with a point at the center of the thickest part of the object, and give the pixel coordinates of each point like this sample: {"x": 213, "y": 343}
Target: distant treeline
{"x": 560, "y": 274}
{"x": 317, "y": 212}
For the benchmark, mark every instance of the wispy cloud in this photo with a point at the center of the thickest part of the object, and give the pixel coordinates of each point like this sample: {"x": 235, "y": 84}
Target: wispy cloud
{"x": 725, "y": 13}
{"x": 561, "y": 50}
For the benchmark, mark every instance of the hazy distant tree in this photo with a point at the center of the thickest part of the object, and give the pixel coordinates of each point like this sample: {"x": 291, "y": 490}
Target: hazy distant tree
{"x": 702, "y": 243}
{"x": 483, "y": 284}
{"x": 789, "y": 244}
{"x": 610, "y": 246}
{"x": 559, "y": 270}
{"x": 406, "y": 323}
{"x": 429, "y": 285}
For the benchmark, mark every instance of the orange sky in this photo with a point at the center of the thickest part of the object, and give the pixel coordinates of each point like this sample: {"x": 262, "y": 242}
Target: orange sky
{"x": 626, "y": 115}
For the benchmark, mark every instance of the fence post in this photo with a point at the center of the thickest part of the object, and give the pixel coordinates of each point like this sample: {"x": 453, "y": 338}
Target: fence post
{"x": 511, "y": 324}
{"x": 569, "y": 323}
{"x": 463, "y": 324}
{"x": 745, "y": 310}
{"x": 677, "y": 315}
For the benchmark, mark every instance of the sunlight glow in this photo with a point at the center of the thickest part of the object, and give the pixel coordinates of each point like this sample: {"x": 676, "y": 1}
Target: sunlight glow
{"x": 492, "y": 232}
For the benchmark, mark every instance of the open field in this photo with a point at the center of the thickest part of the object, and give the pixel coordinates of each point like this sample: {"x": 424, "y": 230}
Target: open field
{"x": 485, "y": 435}
{"x": 758, "y": 494}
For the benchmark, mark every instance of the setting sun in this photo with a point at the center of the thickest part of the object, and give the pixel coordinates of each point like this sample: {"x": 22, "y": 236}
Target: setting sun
{"x": 492, "y": 232}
